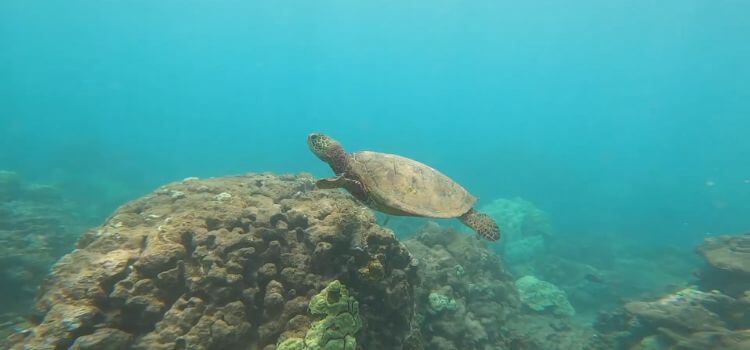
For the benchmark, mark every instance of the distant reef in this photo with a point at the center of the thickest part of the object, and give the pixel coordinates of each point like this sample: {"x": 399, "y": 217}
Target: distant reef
{"x": 263, "y": 262}
{"x": 36, "y": 228}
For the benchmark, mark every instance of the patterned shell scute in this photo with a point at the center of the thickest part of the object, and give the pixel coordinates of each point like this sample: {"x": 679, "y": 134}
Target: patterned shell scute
{"x": 410, "y": 186}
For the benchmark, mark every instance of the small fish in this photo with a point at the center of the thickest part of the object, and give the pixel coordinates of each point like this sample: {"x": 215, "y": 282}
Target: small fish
{"x": 593, "y": 278}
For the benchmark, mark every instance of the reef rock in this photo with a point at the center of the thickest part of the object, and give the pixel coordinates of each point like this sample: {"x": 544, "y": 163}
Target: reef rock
{"x": 543, "y": 296}
{"x": 690, "y": 318}
{"x": 728, "y": 259}
{"x": 244, "y": 262}
{"x": 687, "y": 309}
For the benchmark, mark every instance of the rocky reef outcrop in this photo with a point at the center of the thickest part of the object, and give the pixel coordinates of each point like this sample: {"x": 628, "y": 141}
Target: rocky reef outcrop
{"x": 229, "y": 263}
{"x": 714, "y": 314}
{"x": 727, "y": 264}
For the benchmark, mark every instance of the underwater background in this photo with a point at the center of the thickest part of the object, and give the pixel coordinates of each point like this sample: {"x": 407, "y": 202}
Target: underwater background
{"x": 625, "y": 122}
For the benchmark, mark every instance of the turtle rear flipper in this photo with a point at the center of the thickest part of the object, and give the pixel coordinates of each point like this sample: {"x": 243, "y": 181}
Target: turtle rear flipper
{"x": 482, "y": 224}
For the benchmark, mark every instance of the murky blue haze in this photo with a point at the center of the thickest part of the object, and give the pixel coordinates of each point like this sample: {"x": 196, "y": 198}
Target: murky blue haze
{"x": 626, "y": 117}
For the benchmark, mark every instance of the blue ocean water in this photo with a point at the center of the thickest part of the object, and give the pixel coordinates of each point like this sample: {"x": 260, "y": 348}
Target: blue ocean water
{"x": 625, "y": 117}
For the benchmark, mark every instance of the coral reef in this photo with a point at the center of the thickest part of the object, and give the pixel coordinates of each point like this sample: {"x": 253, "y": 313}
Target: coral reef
{"x": 543, "y": 296}
{"x": 36, "y": 229}
{"x": 464, "y": 293}
{"x": 597, "y": 270}
{"x": 715, "y": 314}
{"x": 263, "y": 262}
{"x": 243, "y": 262}
{"x": 467, "y": 300}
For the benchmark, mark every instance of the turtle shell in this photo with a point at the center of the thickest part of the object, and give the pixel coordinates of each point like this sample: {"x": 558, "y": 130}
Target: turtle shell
{"x": 400, "y": 185}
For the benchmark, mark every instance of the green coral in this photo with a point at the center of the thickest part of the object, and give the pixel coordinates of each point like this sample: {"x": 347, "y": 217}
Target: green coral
{"x": 441, "y": 302}
{"x": 541, "y": 296}
{"x": 292, "y": 344}
{"x": 339, "y": 321}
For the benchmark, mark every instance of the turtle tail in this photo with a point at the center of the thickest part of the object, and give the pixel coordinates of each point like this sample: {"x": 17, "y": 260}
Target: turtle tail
{"x": 482, "y": 224}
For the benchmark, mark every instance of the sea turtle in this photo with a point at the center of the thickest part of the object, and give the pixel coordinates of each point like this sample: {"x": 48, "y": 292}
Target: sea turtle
{"x": 401, "y": 186}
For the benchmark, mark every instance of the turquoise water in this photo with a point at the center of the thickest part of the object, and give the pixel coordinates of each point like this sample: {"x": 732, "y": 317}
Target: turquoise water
{"x": 624, "y": 117}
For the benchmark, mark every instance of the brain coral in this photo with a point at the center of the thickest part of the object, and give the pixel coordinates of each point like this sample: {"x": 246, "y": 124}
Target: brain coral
{"x": 339, "y": 321}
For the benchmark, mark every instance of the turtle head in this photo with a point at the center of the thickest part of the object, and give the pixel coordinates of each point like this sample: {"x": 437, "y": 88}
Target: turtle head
{"x": 328, "y": 150}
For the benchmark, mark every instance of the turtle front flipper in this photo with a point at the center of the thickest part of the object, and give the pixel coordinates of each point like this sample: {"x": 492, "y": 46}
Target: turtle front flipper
{"x": 352, "y": 186}
{"x": 482, "y": 224}
{"x": 331, "y": 182}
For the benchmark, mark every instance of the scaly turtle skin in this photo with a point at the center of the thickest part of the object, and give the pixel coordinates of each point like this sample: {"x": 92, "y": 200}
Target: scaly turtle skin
{"x": 399, "y": 186}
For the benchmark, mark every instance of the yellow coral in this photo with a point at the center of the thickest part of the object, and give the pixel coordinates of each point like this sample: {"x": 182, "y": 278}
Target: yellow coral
{"x": 374, "y": 271}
